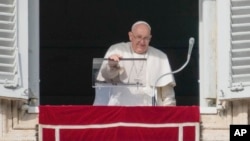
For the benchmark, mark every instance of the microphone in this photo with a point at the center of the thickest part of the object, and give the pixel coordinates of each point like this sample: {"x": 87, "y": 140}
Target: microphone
{"x": 190, "y": 47}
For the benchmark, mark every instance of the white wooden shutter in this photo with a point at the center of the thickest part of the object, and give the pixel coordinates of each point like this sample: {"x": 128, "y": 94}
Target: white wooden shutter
{"x": 11, "y": 63}
{"x": 240, "y": 51}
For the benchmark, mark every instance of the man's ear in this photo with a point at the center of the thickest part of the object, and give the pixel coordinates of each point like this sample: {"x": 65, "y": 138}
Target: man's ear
{"x": 130, "y": 35}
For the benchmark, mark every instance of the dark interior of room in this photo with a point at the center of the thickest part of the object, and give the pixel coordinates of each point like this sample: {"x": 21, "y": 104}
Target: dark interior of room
{"x": 72, "y": 33}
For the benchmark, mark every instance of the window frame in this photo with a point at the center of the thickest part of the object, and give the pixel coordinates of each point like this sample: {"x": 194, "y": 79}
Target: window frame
{"x": 214, "y": 42}
{"x": 220, "y": 9}
{"x": 27, "y": 36}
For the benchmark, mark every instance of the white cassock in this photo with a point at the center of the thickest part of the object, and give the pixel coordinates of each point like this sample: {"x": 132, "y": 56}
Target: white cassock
{"x": 156, "y": 65}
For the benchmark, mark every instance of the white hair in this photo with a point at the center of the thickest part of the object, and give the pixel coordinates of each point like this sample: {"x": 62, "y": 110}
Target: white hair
{"x": 140, "y": 22}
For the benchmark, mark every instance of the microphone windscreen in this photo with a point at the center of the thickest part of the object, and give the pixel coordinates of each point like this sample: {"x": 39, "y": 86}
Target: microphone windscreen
{"x": 191, "y": 44}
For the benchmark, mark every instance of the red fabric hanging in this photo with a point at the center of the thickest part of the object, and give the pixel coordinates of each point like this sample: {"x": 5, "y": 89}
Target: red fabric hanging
{"x": 115, "y": 123}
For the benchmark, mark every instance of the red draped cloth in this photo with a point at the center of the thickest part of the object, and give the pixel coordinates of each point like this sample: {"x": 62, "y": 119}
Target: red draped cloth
{"x": 115, "y": 123}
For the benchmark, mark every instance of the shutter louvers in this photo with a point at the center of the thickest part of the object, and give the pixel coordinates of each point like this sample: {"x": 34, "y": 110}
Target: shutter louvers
{"x": 240, "y": 42}
{"x": 8, "y": 45}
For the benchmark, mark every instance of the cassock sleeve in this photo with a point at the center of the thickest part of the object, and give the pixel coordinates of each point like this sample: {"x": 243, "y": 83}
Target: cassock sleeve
{"x": 107, "y": 73}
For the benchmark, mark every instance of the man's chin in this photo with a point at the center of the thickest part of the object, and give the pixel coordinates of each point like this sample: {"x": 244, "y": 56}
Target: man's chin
{"x": 141, "y": 52}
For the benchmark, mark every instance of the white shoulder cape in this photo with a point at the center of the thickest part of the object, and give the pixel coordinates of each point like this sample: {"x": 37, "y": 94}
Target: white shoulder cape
{"x": 157, "y": 63}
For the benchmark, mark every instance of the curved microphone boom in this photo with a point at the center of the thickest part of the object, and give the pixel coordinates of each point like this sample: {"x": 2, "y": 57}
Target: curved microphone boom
{"x": 190, "y": 47}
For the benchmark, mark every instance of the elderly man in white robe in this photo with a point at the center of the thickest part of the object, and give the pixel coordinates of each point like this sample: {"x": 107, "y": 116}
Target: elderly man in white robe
{"x": 144, "y": 73}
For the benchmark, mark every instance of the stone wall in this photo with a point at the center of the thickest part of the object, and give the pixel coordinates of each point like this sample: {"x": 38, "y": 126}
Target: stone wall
{"x": 16, "y": 124}
{"x": 215, "y": 127}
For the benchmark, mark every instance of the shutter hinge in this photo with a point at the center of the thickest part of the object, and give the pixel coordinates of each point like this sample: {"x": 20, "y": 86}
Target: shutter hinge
{"x": 236, "y": 87}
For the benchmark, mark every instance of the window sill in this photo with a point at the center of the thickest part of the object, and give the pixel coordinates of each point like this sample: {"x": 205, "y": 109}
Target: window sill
{"x": 208, "y": 110}
{"x": 33, "y": 110}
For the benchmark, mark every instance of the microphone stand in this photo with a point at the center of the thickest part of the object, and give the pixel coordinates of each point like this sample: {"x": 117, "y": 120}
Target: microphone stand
{"x": 191, "y": 43}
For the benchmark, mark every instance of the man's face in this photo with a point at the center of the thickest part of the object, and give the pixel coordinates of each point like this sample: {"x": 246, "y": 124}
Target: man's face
{"x": 140, "y": 37}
